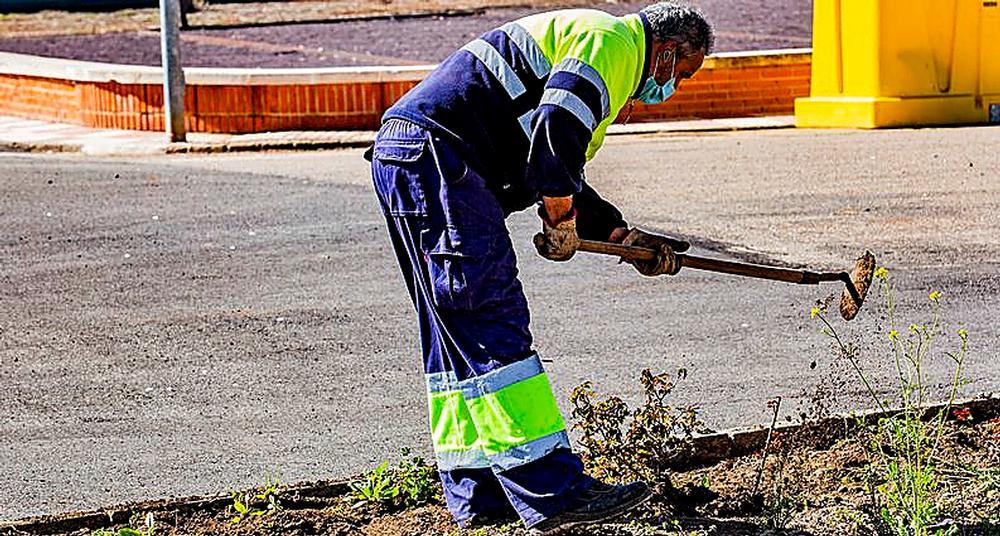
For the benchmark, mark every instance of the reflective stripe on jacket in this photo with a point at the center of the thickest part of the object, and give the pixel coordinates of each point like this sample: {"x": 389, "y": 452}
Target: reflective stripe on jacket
{"x": 530, "y": 101}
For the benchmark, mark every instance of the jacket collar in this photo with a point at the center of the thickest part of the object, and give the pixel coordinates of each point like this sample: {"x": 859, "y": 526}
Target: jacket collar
{"x": 647, "y": 52}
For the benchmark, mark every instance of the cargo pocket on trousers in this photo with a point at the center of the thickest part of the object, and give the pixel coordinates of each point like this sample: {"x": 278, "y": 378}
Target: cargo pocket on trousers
{"x": 450, "y": 287}
{"x": 396, "y": 170}
{"x": 457, "y": 271}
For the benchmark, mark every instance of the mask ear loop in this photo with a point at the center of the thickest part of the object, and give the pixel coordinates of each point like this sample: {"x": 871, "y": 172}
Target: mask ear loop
{"x": 628, "y": 113}
{"x": 652, "y": 74}
{"x": 631, "y": 100}
{"x": 673, "y": 66}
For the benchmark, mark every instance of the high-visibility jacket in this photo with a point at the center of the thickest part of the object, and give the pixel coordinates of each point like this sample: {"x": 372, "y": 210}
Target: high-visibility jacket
{"x": 528, "y": 103}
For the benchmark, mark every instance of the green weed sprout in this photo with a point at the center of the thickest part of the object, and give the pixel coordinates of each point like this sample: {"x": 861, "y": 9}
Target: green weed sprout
{"x": 249, "y": 504}
{"x": 412, "y": 482}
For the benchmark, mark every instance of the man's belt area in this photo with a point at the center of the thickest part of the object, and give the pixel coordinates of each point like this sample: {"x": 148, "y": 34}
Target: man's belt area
{"x": 513, "y": 197}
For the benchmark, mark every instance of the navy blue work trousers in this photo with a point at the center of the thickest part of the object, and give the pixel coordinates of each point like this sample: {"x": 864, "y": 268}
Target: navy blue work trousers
{"x": 450, "y": 238}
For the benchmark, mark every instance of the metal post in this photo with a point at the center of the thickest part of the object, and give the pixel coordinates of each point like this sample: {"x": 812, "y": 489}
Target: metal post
{"x": 173, "y": 75}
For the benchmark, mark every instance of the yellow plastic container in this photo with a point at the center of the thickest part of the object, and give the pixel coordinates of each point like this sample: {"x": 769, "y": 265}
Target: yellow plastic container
{"x": 890, "y": 63}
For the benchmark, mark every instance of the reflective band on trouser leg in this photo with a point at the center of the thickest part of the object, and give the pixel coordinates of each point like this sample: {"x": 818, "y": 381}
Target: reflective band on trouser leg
{"x": 456, "y": 443}
{"x": 515, "y": 414}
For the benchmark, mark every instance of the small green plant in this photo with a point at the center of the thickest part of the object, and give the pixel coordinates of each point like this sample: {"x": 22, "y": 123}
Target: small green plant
{"x": 905, "y": 445}
{"x": 780, "y": 502}
{"x": 621, "y": 444}
{"x": 410, "y": 483}
{"x": 148, "y": 528}
{"x": 417, "y": 480}
{"x": 124, "y": 531}
{"x": 251, "y": 504}
{"x": 846, "y": 521}
{"x": 780, "y": 507}
{"x": 378, "y": 485}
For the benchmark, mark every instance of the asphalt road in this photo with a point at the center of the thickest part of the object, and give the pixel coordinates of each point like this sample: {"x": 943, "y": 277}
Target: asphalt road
{"x": 182, "y": 325}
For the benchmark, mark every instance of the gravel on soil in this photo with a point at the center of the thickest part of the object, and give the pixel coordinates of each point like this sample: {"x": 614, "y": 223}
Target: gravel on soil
{"x": 740, "y": 25}
{"x": 241, "y": 13}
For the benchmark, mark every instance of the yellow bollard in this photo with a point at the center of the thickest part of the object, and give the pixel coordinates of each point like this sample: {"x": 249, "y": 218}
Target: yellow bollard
{"x": 893, "y": 63}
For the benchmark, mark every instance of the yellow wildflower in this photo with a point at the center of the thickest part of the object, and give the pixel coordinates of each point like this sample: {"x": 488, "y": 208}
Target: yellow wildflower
{"x": 814, "y": 312}
{"x": 881, "y": 272}
{"x": 935, "y": 295}
{"x": 893, "y": 335}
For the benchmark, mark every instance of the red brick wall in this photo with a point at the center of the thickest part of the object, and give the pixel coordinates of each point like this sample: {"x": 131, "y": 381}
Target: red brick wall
{"x": 726, "y": 87}
{"x": 742, "y": 91}
{"x": 317, "y": 107}
{"x": 40, "y": 98}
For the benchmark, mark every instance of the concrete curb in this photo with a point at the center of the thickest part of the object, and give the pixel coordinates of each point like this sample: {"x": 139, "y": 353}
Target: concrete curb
{"x": 27, "y": 147}
{"x": 713, "y": 448}
{"x": 88, "y": 71}
{"x": 704, "y": 125}
{"x": 707, "y": 450}
{"x": 273, "y": 145}
{"x": 93, "y": 72}
{"x": 97, "y": 145}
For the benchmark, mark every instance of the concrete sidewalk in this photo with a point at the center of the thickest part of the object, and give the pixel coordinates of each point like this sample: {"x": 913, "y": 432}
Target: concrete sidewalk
{"x": 26, "y": 135}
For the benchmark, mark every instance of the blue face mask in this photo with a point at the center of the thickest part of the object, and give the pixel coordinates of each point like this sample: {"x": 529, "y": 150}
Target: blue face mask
{"x": 653, "y": 93}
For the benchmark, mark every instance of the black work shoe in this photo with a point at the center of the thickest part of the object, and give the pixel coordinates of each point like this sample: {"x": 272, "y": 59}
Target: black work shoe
{"x": 601, "y": 502}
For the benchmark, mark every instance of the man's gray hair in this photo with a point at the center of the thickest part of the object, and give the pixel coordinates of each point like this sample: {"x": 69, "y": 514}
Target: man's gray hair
{"x": 684, "y": 24}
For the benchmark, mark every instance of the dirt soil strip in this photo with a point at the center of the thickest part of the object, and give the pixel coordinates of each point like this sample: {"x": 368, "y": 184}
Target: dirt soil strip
{"x": 367, "y": 37}
{"x": 707, "y": 450}
{"x": 242, "y": 14}
{"x": 96, "y": 519}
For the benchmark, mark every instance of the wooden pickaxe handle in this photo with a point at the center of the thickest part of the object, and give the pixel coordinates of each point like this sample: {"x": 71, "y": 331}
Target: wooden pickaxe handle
{"x": 759, "y": 271}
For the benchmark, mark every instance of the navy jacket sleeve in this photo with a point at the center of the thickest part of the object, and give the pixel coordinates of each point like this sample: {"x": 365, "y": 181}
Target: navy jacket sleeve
{"x": 596, "y": 218}
{"x": 593, "y": 74}
{"x": 558, "y": 152}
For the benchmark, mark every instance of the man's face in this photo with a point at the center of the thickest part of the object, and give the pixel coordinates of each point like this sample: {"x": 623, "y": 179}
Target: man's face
{"x": 684, "y": 66}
